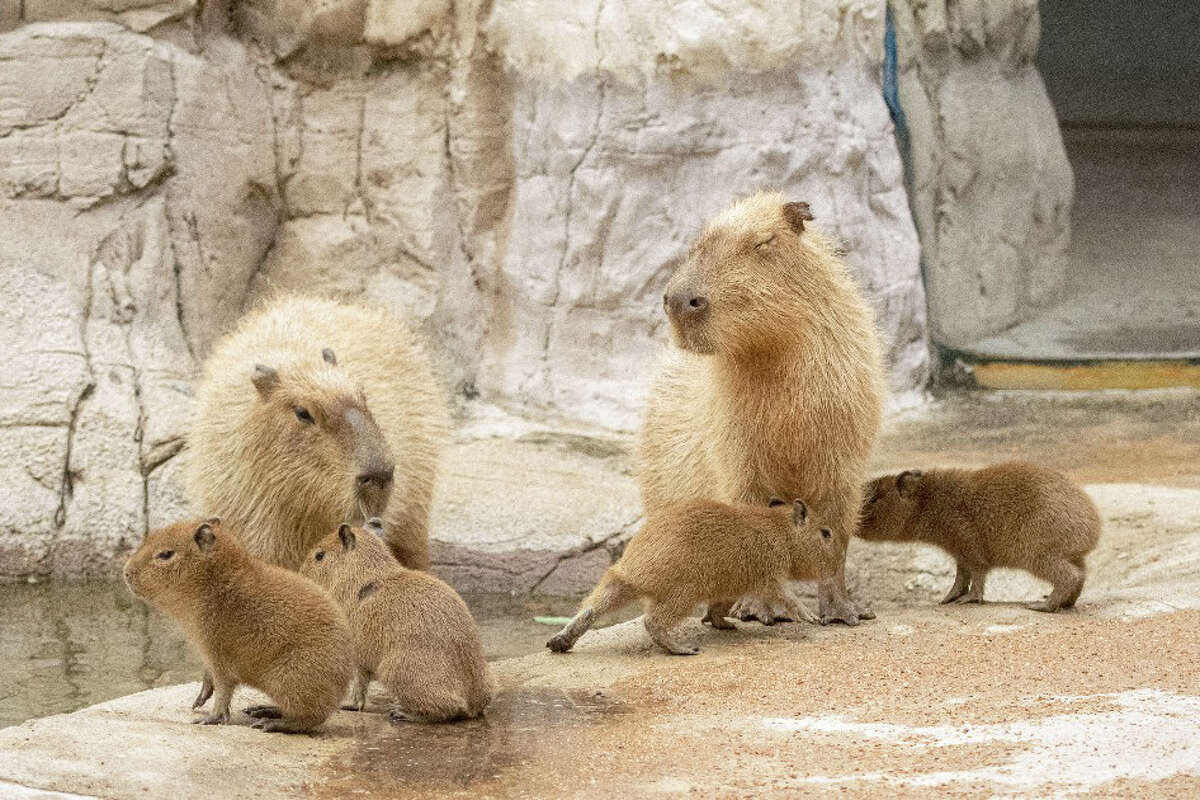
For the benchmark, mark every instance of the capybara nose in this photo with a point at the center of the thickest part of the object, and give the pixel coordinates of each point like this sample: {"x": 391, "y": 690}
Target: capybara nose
{"x": 379, "y": 476}
{"x": 686, "y": 304}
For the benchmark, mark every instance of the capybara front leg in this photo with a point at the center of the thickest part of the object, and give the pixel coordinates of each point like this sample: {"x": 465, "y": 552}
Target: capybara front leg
{"x": 978, "y": 581}
{"x": 224, "y": 696}
{"x": 1067, "y": 580}
{"x": 358, "y": 691}
{"x": 565, "y": 639}
{"x": 206, "y": 690}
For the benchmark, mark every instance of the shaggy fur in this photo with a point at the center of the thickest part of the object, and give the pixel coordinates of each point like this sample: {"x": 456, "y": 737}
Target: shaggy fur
{"x": 1006, "y": 515}
{"x": 411, "y": 630}
{"x": 706, "y": 552}
{"x": 775, "y": 385}
{"x": 371, "y": 403}
{"x": 252, "y": 623}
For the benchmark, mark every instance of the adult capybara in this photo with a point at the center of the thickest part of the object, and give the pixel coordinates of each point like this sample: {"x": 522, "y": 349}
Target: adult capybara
{"x": 1006, "y": 515}
{"x": 313, "y": 412}
{"x": 774, "y": 386}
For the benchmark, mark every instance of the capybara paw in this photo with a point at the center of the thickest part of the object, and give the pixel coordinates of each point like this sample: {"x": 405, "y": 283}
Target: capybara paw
{"x": 754, "y": 610}
{"x": 269, "y": 725}
{"x": 865, "y": 612}
{"x": 559, "y": 644}
{"x": 352, "y": 706}
{"x": 722, "y": 624}
{"x": 399, "y": 718}
{"x": 206, "y": 691}
{"x": 966, "y": 599}
{"x": 262, "y": 712}
{"x": 221, "y": 718}
{"x": 1043, "y": 605}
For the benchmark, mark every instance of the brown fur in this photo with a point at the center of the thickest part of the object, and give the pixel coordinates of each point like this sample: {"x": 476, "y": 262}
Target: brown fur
{"x": 411, "y": 630}
{"x": 252, "y": 623}
{"x": 775, "y": 386}
{"x": 702, "y": 551}
{"x": 1006, "y": 515}
{"x": 285, "y": 482}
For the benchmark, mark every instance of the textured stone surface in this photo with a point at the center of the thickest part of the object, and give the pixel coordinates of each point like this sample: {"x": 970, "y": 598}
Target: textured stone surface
{"x": 992, "y": 188}
{"x": 520, "y": 178}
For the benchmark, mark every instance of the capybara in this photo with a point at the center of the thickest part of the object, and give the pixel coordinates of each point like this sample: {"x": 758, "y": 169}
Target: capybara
{"x": 701, "y": 551}
{"x": 1006, "y": 515}
{"x": 412, "y": 632}
{"x": 311, "y": 413}
{"x": 774, "y": 386}
{"x": 252, "y": 622}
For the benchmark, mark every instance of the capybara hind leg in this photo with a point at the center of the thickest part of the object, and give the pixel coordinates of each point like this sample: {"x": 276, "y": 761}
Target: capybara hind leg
{"x": 716, "y": 614}
{"x": 662, "y": 622}
{"x": 609, "y": 594}
{"x": 978, "y": 578}
{"x": 1070, "y": 599}
{"x": 423, "y": 704}
{"x": 1067, "y": 580}
{"x": 833, "y": 601}
{"x": 962, "y": 581}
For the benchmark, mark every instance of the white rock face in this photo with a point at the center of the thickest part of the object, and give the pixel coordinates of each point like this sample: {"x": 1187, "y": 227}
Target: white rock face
{"x": 992, "y": 188}
{"x": 518, "y": 177}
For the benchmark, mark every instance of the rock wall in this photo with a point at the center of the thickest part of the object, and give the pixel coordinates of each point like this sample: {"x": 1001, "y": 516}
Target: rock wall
{"x": 519, "y": 177}
{"x": 991, "y": 185}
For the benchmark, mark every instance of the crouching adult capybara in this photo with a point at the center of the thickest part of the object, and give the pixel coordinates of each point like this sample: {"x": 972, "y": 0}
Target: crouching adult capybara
{"x": 774, "y": 386}
{"x": 311, "y": 413}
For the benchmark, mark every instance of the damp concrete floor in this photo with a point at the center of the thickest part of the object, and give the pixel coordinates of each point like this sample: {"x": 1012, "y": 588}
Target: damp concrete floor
{"x": 963, "y": 701}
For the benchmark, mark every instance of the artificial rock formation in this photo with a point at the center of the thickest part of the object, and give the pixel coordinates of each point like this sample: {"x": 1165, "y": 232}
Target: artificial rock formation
{"x": 518, "y": 177}
{"x": 991, "y": 185}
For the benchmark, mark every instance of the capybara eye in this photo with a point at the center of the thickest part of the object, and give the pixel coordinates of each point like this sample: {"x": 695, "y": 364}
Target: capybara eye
{"x": 164, "y": 554}
{"x": 694, "y": 302}
{"x": 320, "y": 556}
{"x": 302, "y": 414}
{"x": 826, "y": 533}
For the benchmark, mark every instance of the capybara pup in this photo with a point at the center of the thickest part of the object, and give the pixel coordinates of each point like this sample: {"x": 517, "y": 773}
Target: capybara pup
{"x": 252, "y": 622}
{"x": 411, "y": 631}
{"x": 1006, "y": 515}
{"x": 311, "y": 413}
{"x": 774, "y": 385}
{"x": 706, "y": 552}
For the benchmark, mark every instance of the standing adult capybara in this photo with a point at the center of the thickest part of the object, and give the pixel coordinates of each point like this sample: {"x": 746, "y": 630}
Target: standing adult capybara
{"x": 313, "y": 412}
{"x": 1006, "y": 515}
{"x": 774, "y": 387}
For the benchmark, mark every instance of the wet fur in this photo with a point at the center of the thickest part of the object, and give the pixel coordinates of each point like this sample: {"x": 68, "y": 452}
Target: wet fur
{"x": 707, "y": 552}
{"x": 252, "y": 623}
{"x": 1006, "y": 515}
{"x": 285, "y": 497}
{"x": 779, "y": 391}
{"x": 412, "y": 632}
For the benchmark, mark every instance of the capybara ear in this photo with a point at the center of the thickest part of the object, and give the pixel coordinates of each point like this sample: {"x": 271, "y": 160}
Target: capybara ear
{"x": 204, "y": 537}
{"x": 265, "y": 379}
{"x": 796, "y": 214}
{"x": 214, "y": 521}
{"x": 826, "y": 533}
{"x": 329, "y": 357}
{"x": 906, "y": 482}
{"x": 346, "y": 534}
{"x": 775, "y": 501}
{"x": 799, "y": 512}
{"x": 374, "y": 525}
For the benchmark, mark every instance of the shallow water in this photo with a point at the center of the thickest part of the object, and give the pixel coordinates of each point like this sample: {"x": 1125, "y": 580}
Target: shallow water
{"x": 66, "y": 645}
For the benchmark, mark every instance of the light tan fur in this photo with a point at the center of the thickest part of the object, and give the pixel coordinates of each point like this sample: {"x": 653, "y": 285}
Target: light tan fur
{"x": 253, "y": 623}
{"x": 286, "y": 483}
{"x": 412, "y": 632}
{"x": 774, "y": 386}
{"x": 1006, "y": 515}
{"x": 702, "y": 551}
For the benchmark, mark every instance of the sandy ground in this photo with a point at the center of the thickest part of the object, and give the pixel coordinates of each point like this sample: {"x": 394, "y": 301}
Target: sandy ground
{"x": 975, "y": 701}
